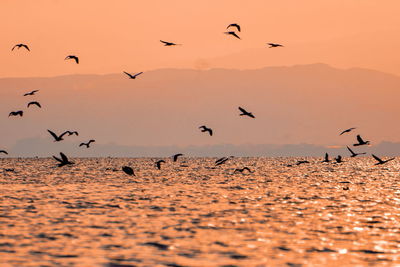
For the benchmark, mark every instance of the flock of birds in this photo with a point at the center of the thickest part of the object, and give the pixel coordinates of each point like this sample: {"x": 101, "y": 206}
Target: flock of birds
{"x": 232, "y": 30}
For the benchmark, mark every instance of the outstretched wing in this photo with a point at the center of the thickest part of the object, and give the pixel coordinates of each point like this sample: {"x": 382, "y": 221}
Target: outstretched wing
{"x": 242, "y": 110}
{"x": 26, "y": 47}
{"x": 237, "y": 26}
{"x": 53, "y": 134}
{"x": 234, "y": 34}
{"x": 64, "y": 133}
{"x": 63, "y": 157}
{"x": 76, "y": 60}
{"x": 130, "y": 76}
{"x": 351, "y": 151}
{"x": 137, "y": 74}
{"x": 167, "y": 43}
{"x": 359, "y": 139}
{"x": 210, "y": 131}
{"x": 14, "y": 47}
{"x": 58, "y": 159}
{"x": 91, "y": 141}
{"x": 378, "y": 159}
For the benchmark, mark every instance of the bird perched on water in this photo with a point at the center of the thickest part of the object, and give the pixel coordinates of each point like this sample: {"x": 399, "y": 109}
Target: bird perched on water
{"x": 128, "y": 170}
{"x": 88, "y": 143}
{"x": 299, "y": 162}
{"x": 353, "y": 154}
{"x": 133, "y": 76}
{"x": 206, "y": 129}
{"x": 63, "y": 161}
{"x": 168, "y": 43}
{"x": 158, "y": 163}
{"x": 326, "y": 159}
{"x": 176, "y": 156}
{"x": 245, "y": 113}
{"x": 34, "y": 103}
{"x": 380, "y": 161}
{"x": 73, "y": 57}
{"x": 21, "y": 45}
{"x": 31, "y": 93}
{"x": 347, "y": 130}
{"x": 16, "y": 113}
{"x": 235, "y": 25}
{"x": 242, "y": 170}
{"x": 57, "y": 138}
{"x": 72, "y": 133}
{"x": 4, "y": 152}
{"x": 361, "y": 142}
{"x": 232, "y": 33}
{"x": 272, "y": 45}
{"x": 339, "y": 159}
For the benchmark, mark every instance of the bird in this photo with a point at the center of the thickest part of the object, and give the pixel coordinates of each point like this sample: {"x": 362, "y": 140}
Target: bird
{"x": 237, "y": 26}
{"x": 168, "y": 43}
{"x": 34, "y": 103}
{"x": 206, "y": 129}
{"x": 222, "y": 160}
{"x": 380, "y": 161}
{"x": 326, "y": 159}
{"x": 245, "y": 113}
{"x": 87, "y": 144}
{"x": 158, "y": 163}
{"x": 72, "y": 133}
{"x": 73, "y": 57}
{"x": 128, "y": 170}
{"x": 16, "y": 113}
{"x": 175, "y": 157}
{"x": 63, "y": 161}
{"x": 133, "y": 76}
{"x": 4, "y": 152}
{"x": 232, "y": 33}
{"x": 21, "y": 45}
{"x": 299, "y": 162}
{"x": 347, "y": 130}
{"x": 353, "y": 154}
{"x": 339, "y": 159}
{"x": 57, "y": 138}
{"x": 361, "y": 141}
{"x": 242, "y": 170}
{"x": 272, "y": 45}
{"x": 31, "y": 93}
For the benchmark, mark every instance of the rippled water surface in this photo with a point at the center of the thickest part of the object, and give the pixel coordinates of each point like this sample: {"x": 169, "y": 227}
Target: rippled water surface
{"x": 192, "y": 213}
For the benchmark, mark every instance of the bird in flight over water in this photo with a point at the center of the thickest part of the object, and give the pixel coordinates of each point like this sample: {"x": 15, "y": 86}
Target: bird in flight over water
{"x": 133, "y": 76}
{"x": 34, "y": 103}
{"x": 168, "y": 43}
{"x": 4, "y": 152}
{"x": 233, "y": 34}
{"x": 158, "y": 163}
{"x": 31, "y": 93}
{"x": 88, "y": 143}
{"x": 73, "y": 57}
{"x": 353, "y": 154}
{"x": 380, "y": 161}
{"x": 128, "y": 170}
{"x": 361, "y": 142}
{"x": 72, "y": 133}
{"x": 272, "y": 45}
{"x": 347, "y": 130}
{"x": 235, "y": 25}
{"x": 57, "y": 138}
{"x": 302, "y": 162}
{"x": 21, "y": 45}
{"x": 339, "y": 159}
{"x": 245, "y": 113}
{"x": 326, "y": 159}
{"x": 16, "y": 113}
{"x": 206, "y": 129}
{"x": 222, "y": 160}
{"x": 242, "y": 170}
{"x": 63, "y": 161}
{"x": 175, "y": 157}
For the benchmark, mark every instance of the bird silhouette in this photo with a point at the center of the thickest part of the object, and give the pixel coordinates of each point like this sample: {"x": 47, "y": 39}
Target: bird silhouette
{"x": 245, "y": 113}
{"x": 326, "y": 159}
{"x": 158, "y": 163}
{"x": 242, "y": 170}
{"x": 206, "y": 129}
{"x": 232, "y": 33}
{"x": 222, "y": 160}
{"x": 88, "y": 143}
{"x": 339, "y": 159}
{"x": 353, "y": 154}
{"x": 31, "y": 93}
{"x": 63, "y": 161}
{"x": 380, "y": 161}
{"x": 347, "y": 130}
{"x": 57, "y": 138}
{"x": 168, "y": 43}
{"x": 16, "y": 113}
{"x": 235, "y": 25}
{"x": 21, "y": 45}
{"x": 299, "y": 162}
{"x": 175, "y": 157}
{"x": 4, "y": 152}
{"x": 133, "y": 76}
{"x": 73, "y": 57}
{"x": 34, "y": 103}
{"x": 128, "y": 170}
{"x": 272, "y": 45}
{"x": 361, "y": 142}
{"x": 72, "y": 133}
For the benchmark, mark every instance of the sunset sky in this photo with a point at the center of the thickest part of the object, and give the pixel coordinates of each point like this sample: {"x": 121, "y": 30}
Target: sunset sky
{"x": 112, "y": 36}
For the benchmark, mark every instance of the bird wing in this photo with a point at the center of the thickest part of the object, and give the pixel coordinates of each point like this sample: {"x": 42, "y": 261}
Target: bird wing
{"x": 76, "y": 60}
{"x": 63, "y": 157}
{"x": 64, "y": 133}
{"x": 378, "y": 159}
{"x": 3, "y": 151}
{"x": 53, "y": 134}
{"x": 242, "y": 110}
{"x": 14, "y": 47}
{"x": 234, "y": 34}
{"x": 210, "y": 131}
{"x": 34, "y": 103}
{"x": 359, "y": 139}
{"x": 26, "y": 47}
{"x": 137, "y": 74}
{"x": 82, "y": 144}
{"x": 351, "y": 151}
{"x": 58, "y": 159}
{"x": 131, "y": 76}
{"x": 91, "y": 141}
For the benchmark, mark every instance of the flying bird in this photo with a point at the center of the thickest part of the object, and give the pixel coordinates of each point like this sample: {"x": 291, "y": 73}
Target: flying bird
{"x": 73, "y": 57}
{"x": 242, "y": 170}
{"x": 380, "y": 161}
{"x": 63, "y": 161}
{"x": 133, "y": 76}
{"x": 233, "y": 34}
{"x": 34, "y": 103}
{"x": 16, "y": 113}
{"x": 175, "y": 157}
{"x": 168, "y": 43}
{"x": 326, "y": 159}
{"x": 237, "y": 26}
{"x": 128, "y": 170}
{"x": 206, "y": 129}
{"x": 361, "y": 142}
{"x": 72, "y": 133}
{"x": 4, "y": 152}
{"x": 272, "y": 45}
{"x": 88, "y": 143}
{"x": 21, "y": 45}
{"x": 353, "y": 154}
{"x": 347, "y": 131}
{"x": 339, "y": 159}
{"x": 245, "y": 113}
{"x": 222, "y": 160}
{"x": 158, "y": 163}
{"x": 299, "y": 162}
{"x": 57, "y": 138}
{"x": 31, "y": 93}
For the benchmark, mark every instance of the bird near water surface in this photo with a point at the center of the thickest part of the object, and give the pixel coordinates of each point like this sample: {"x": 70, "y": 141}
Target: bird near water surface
{"x": 380, "y": 161}
{"x": 128, "y": 170}
{"x": 63, "y": 160}
{"x": 354, "y": 154}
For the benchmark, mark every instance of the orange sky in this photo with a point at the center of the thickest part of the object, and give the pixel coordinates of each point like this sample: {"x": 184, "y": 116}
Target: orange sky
{"x": 112, "y": 36}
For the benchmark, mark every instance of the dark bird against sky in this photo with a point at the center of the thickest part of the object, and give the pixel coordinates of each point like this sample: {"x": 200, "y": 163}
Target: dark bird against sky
{"x": 158, "y": 163}
{"x": 57, "y": 138}
{"x": 133, "y": 76}
{"x": 19, "y": 46}
{"x": 206, "y": 129}
{"x": 73, "y": 57}
{"x": 233, "y": 34}
{"x": 16, "y": 113}
{"x": 72, "y": 133}
{"x": 361, "y": 142}
{"x": 31, "y": 93}
{"x": 272, "y": 45}
{"x": 4, "y": 152}
{"x": 34, "y": 103}
{"x": 87, "y": 144}
{"x": 176, "y": 156}
{"x": 354, "y": 154}
{"x": 246, "y": 113}
{"x": 235, "y": 25}
{"x": 168, "y": 43}
{"x": 347, "y": 131}
{"x": 380, "y": 161}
